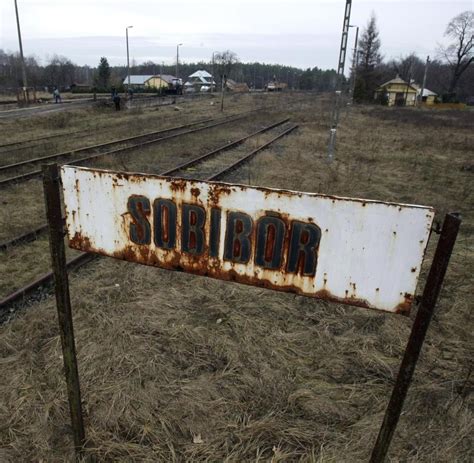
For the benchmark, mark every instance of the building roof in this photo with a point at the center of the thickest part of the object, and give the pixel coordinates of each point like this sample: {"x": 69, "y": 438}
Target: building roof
{"x": 137, "y": 80}
{"x": 200, "y": 74}
{"x": 201, "y": 77}
{"x": 168, "y": 78}
{"x": 141, "y": 80}
{"x": 397, "y": 80}
{"x": 427, "y": 92}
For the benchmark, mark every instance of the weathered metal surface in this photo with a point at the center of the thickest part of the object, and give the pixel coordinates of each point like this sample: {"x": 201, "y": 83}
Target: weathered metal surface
{"x": 353, "y": 251}
{"x": 434, "y": 282}
{"x": 52, "y": 195}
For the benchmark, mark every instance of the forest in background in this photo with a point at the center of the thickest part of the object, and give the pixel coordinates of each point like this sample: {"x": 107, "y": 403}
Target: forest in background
{"x": 450, "y": 73}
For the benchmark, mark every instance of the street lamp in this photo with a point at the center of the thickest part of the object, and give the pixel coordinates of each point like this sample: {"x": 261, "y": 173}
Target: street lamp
{"x": 177, "y": 58}
{"x": 128, "y": 57}
{"x": 354, "y": 65}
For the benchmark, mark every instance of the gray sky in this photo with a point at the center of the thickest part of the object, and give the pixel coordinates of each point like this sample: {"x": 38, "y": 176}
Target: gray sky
{"x": 303, "y": 33}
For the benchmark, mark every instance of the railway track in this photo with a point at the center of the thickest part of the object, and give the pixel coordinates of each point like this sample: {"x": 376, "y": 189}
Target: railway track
{"x": 52, "y": 108}
{"x": 132, "y": 143}
{"x": 8, "y": 303}
{"x": 32, "y": 235}
{"x": 26, "y": 143}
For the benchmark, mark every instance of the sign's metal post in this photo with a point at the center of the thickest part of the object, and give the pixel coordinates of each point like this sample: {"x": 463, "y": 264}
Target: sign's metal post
{"x": 51, "y": 185}
{"x": 431, "y": 291}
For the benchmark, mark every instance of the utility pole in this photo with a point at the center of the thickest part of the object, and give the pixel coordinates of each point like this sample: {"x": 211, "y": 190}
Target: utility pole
{"x": 128, "y": 56}
{"x": 424, "y": 80}
{"x": 212, "y": 80}
{"x": 409, "y": 83}
{"x": 177, "y": 58}
{"x": 223, "y": 80}
{"x": 354, "y": 66}
{"x": 23, "y": 67}
{"x": 340, "y": 73}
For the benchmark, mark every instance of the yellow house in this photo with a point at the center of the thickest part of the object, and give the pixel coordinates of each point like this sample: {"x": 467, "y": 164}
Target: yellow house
{"x": 151, "y": 81}
{"x": 397, "y": 92}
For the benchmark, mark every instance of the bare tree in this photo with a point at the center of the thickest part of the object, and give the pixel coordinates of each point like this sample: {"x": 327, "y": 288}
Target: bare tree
{"x": 460, "y": 52}
{"x": 225, "y": 62}
{"x": 59, "y": 71}
{"x": 408, "y": 67}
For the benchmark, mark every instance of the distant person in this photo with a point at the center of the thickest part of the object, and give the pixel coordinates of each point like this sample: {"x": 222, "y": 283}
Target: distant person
{"x": 116, "y": 99}
{"x": 57, "y": 95}
{"x": 113, "y": 93}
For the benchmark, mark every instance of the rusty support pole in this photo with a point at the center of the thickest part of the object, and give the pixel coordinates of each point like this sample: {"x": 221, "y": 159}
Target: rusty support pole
{"x": 52, "y": 194}
{"x": 431, "y": 291}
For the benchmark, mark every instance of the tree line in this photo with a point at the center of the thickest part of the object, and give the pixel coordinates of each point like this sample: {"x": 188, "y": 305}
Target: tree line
{"x": 61, "y": 72}
{"x": 450, "y": 73}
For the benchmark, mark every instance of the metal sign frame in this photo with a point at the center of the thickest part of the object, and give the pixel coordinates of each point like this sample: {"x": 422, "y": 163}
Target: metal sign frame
{"x": 328, "y": 247}
{"x": 445, "y": 245}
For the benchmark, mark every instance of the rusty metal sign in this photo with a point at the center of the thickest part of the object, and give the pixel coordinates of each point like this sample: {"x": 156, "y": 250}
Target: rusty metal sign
{"x": 353, "y": 251}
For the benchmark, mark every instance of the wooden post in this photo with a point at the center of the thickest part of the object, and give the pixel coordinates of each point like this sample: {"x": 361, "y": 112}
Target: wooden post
{"x": 52, "y": 193}
{"x": 418, "y": 332}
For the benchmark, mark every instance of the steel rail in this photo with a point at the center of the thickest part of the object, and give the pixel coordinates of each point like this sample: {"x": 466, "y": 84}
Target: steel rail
{"x": 26, "y": 237}
{"x": 249, "y": 156}
{"x": 47, "y": 278}
{"x": 84, "y": 131}
{"x": 100, "y": 145}
{"x": 44, "y": 280}
{"x": 33, "y": 234}
{"x": 230, "y": 145}
{"x": 149, "y": 142}
{"x": 37, "y": 173}
{"x": 45, "y": 137}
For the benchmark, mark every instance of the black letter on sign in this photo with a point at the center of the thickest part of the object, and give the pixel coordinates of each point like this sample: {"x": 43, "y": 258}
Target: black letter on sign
{"x": 192, "y": 233}
{"x": 237, "y": 237}
{"x": 304, "y": 244}
{"x": 215, "y": 232}
{"x": 270, "y": 236}
{"x": 164, "y": 212}
{"x": 139, "y": 208}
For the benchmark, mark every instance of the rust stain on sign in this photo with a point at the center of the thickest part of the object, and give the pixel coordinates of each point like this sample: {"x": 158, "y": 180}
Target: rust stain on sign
{"x": 358, "y": 252}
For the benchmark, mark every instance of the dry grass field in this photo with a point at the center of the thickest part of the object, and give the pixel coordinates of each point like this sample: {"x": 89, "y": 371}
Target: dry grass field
{"x": 175, "y": 367}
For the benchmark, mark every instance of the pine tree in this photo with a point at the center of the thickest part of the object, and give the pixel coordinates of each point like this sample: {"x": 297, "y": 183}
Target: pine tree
{"x": 369, "y": 59}
{"x": 103, "y": 74}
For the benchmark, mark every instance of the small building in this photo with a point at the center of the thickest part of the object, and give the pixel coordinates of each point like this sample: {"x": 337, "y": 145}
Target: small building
{"x": 275, "y": 86}
{"x": 397, "y": 92}
{"x": 198, "y": 80}
{"x": 237, "y": 87}
{"x": 159, "y": 81}
{"x": 81, "y": 88}
{"x": 428, "y": 96}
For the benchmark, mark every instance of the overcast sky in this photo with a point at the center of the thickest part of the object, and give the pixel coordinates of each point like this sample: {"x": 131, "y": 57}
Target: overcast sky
{"x": 303, "y": 33}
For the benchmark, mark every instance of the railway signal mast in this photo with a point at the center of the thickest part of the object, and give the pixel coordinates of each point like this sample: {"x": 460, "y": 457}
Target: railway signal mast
{"x": 340, "y": 74}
